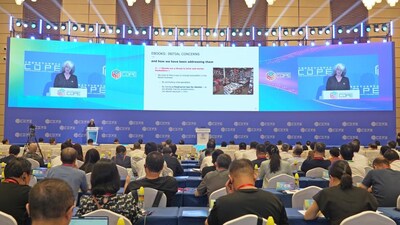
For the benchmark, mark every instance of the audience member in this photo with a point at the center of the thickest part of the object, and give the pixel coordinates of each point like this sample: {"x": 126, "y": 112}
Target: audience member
{"x": 121, "y": 158}
{"x": 13, "y": 152}
{"x": 383, "y": 182}
{"x": 40, "y": 140}
{"x": 392, "y": 144}
{"x": 244, "y": 198}
{"x": 347, "y": 154}
{"x": 215, "y": 180}
{"x": 172, "y": 162}
{"x": 174, "y": 148}
{"x": 91, "y": 157}
{"x": 214, "y": 157}
{"x": 207, "y": 160}
{"x": 261, "y": 155}
{"x": 285, "y": 155}
{"x": 31, "y": 153}
{"x": 317, "y": 159}
{"x": 14, "y": 191}
{"x": 116, "y": 141}
{"x": 57, "y": 160}
{"x": 335, "y": 153}
{"x": 224, "y": 144}
{"x": 52, "y": 141}
{"x": 140, "y": 141}
{"x": 274, "y": 166}
{"x": 5, "y": 141}
{"x": 384, "y": 149}
{"x": 372, "y": 146}
{"x": 69, "y": 172}
{"x": 242, "y": 148}
{"x": 211, "y": 146}
{"x": 79, "y": 151}
{"x": 393, "y": 157}
{"x": 51, "y": 201}
{"x": 358, "y": 158}
{"x": 250, "y": 153}
{"x": 341, "y": 199}
{"x": 137, "y": 163}
{"x": 296, "y": 156}
{"x": 90, "y": 141}
{"x": 181, "y": 142}
{"x": 105, "y": 182}
{"x": 153, "y": 167}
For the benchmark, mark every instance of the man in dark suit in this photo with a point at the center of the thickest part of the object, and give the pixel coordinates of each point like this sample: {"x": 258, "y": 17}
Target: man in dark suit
{"x": 13, "y": 151}
{"x": 172, "y": 162}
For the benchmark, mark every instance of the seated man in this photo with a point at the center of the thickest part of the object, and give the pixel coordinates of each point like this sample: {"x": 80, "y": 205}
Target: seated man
{"x": 251, "y": 154}
{"x": 172, "y": 162}
{"x": 347, "y": 154}
{"x": 51, "y": 201}
{"x": 317, "y": 160}
{"x": 153, "y": 167}
{"x": 121, "y": 158}
{"x": 358, "y": 158}
{"x": 31, "y": 153}
{"x": 14, "y": 191}
{"x": 216, "y": 179}
{"x": 68, "y": 172}
{"x": 214, "y": 157}
{"x": 244, "y": 198}
{"x": 393, "y": 157}
{"x": 383, "y": 182}
{"x": 13, "y": 152}
{"x": 207, "y": 161}
{"x": 261, "y": 155}
{"x": 296, "y": 155}
{"x": 239, "y": 153}
{"x": 285, "y": 155}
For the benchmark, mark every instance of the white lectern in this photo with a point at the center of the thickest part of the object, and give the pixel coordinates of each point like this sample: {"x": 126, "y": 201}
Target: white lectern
{"x": 91, "y": 133}
{"x": 203, "y": 134}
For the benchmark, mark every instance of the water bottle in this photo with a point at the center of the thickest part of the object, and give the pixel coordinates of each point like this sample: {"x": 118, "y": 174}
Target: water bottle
{"x": 121, "y": 221}
{"x": 141, "y": 197}
{"x": 270, "y": 220}
{"x": 296, "y": 181}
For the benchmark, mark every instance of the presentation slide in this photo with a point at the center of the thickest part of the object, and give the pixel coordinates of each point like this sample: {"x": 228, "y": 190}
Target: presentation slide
{"x": 75, "y": 75}
{"x": 202, "y": 79}
{"x": 327, "y": 78}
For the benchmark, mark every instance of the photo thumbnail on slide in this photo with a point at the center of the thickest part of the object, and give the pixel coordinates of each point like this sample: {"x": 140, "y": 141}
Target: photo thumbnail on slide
{"x": 64, "y": 75}
{"x": 233, "y": 81}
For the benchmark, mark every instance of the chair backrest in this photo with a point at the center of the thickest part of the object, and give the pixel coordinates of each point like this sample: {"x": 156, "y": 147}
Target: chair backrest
{"x": 316, "y": 172}
{"x": 149, "y": 197}
{"x": 123, "y": 172}
{"x": 367, "y": 169}
{"x": 357, "y": 179}
{"x": 216, "y": 194}
{"x": 398, "y": 202}
{"x": 112, "y": 216}
{"x": 79, "y": 163}
{"x": 88, "y": 176}
{"x": 306, "y": 193}
{"x": 32, "y": 181}
{"x": 279, "y": 178}
{"x": 249, "y": 219}
{"x": 35, "y": 164}
{"x": 367, "y": 218}
{"x": 7, "y": 219}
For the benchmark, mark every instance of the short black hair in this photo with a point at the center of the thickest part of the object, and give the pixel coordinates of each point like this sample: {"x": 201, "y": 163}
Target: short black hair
{"x": 52, "y": 140}
{"x": 242, "y": 145}
{"x": 140, "y": 141}
{"x": 223, "y": 161}
{"x": 392, "y": 144}
{"x": 166, "y": 150}
{"x": 50, "y": 199}
{"x": 355, "y": 146}
{"x": 279, "y": 142}
{"x": 154, "y": 161}
{"x": 174, "y": 148}
{"x": 380, "y": 161}
{"x": 14, "y": 150}
{"x": 224, "y": 144}
{"x": 253, "y": 144}
{"x": 105, "y": 177}
{"x": 208, "y": 151}
{"x": 16, "y": 167}
{"x": 120, "y": 149}
{"x": 320, "y": 147}
{"x": 298, "y": 150}
{"x": 285, "y": 147}
{"x": 384, "y": 149}
{"x": 211, "y": 144}
{"x": 168, "y": 141}
{"x": 150, "y": 147}
{"x": 231, "y": 142}
{"x": 4, "y": 141}
{"x": 346, "y": 152}
{"x": 68, "y": 155}
{"x": 40, "y": 140}
{"x": 136, "y": 145}
{"x": 391, "y": 155}
{"x": 334, "y": 151}
{"x": 90, "y": 141}
{"x": 261, "y": 148}
{"x": 66, "y": 144}
{"x": 215, "y": 154}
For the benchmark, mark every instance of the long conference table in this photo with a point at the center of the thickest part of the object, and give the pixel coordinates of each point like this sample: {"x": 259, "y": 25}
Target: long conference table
{"x": 197, "y": 216}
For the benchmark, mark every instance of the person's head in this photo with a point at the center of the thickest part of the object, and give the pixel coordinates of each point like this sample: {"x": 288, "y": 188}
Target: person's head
{"x": 298, "y": 150}
{"x": 274, "y": 157}
{"x": 279, "y": 142}
{"x": 105, "y": 177}
{"x": 231, "y": 142}
{"x": 136, "y": 145}
{"x": 223, "y": 161}
{"x": 120, "y": 149}
{"x": 391, "y": 155}
{"x": 242, "y": 146}
{"x": 40, "y": 140}
{"x": 52, "y": 141}
{"x": 68, "y": 67}
{"x": 211, "y": 144}
{"x": 160, "y": 146}
{"x": 154, "y": 162}
{"x": 355, "y": 145}
{"x": 173, "y": 148}
{"x": 215, "y": 154}
{"x": 167, "y": 151}
{"x": 266, "y": 143}
{"x": 5, "y": 141}
{"x": 253, "y": 144}
{"x": 90, "y": 141}
{"x": 208, "y": 152}
{"x": 224, "y": 144}
{"x": 91, "y": 121}
{"x": 308, "y": 143}
{"x": 380, "y": 163}
{"x": 378, "y": 143}
{"x": 346, "y": 152}
{"x": 241, "y": 172}
{"x": 340, "y": 173}
{"x": 339, "y": 70}
{"x": 261, "y": 151}
{"x": 32, "y": 147}
{"x": 68, "y": 155}
{"x": 392, "y": 144}
{"x": 312, "y": 145}
{"x": 168, "y": 141}
{"x": 150, "y": 147}
{"x": 285, "y": 147}
{"x": 319, "y": 148}
{"x": 51, "y": 200}
{"x": 79, "y": 152}
{"x": 14, "y": 150}
{"x": 66, "y": 144}
{"x": 372, "y": 146}
{"x": 384, "y": 149}
{"x": 334, "y": 152}
{"x": 140, "y": 141}
{"x": 19, "y": 169}
{"x": 92, "y": 156}
{"x": 181, "y": 142}
{"x": 116, "y": 141}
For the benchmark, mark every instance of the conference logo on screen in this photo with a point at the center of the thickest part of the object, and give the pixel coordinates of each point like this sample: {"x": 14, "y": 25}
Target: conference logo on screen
{"x": 79, "y": 135}
{"x": 149, "y": 128}
{"x": 109, "y": 122}
{"x": 279, "y": 130}
{"x": 48, "y": 135}
{"x": 51, "y": 121}
{"x": 240, "y": 136}
{"x": 349, "y": 137}
{"x": 267, "y": 137}
{"x": 118, "y": 128}
{"x": 294, "y": 137}
{"x": 270, "y": 75}
{"x": 294, "y": 124}
{"x": 322, "y": 124}
{"x": 18, "y": 135}
{"x": 188, "y": 136}
{"x": 162, "y": 123}
{"x": 228, "y": 129}
{"x": 335, "y": 130}
{"x": 135, "y": 135}
{"x": 132, "y": 122}
{"x": 162, "y": 136}
{"x": 267, "y": 124}
{"x": 240, "y": 124}
{"x": 189, "y": 123}
{"x": 321, "y": 137}
{"x": 105, "y": 135}
{"x": 379, "y": 124}
{"x": 175, "y": 129}
{"x": 350, "y": 124}
{"x": 18, "y": 121}
{"x": 116, "y": 74}
{"x": 62, "y": 127}
{"x": 307, "y": 130}
{"x": 377, "y": 137}
{"x": 254, "y": 129}
{"x": 213, "y": 123}
{"x": 216, "y": 136}
{"x": 81, "y": 122}
{"x": 365, "y": 130}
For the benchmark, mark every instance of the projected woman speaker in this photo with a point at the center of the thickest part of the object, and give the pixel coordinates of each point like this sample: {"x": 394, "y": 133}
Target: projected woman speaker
{"x": 66, "y": 79}
{"x": 338, "y": 81}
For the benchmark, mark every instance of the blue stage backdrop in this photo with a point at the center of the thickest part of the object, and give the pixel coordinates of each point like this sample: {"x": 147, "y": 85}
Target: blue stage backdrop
{"x": 155, "y": 93}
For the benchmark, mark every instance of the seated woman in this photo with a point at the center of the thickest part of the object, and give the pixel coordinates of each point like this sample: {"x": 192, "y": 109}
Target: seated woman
{"x": 91, "y": 157}
{"x": 341, "y": 199}
{"x": 105, "y": 182}
{"x": 274, "y": 166}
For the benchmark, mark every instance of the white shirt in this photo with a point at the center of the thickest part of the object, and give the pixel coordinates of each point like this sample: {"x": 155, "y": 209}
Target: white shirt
{"x": 250, "y": 154}
{"x": 356, "y": 169}
{"x": 207, "y": 161}
{"x": 285, "y": 155}
{"x": 360, "y": 159}
{"x": 395, "y": 165}
{"x": 238, "y": 154}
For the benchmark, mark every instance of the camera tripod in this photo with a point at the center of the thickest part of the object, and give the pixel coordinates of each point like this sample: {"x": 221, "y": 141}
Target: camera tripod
{"x": 32, "y": 139}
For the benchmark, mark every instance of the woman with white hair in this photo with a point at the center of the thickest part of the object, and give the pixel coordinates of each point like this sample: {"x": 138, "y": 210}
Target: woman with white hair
{"x": 66, "y": 79}
{"x": 338, "y": 81}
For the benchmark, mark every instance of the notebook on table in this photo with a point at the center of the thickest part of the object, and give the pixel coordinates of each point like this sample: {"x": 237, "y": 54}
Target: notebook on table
{"x": 89, "y": 220}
